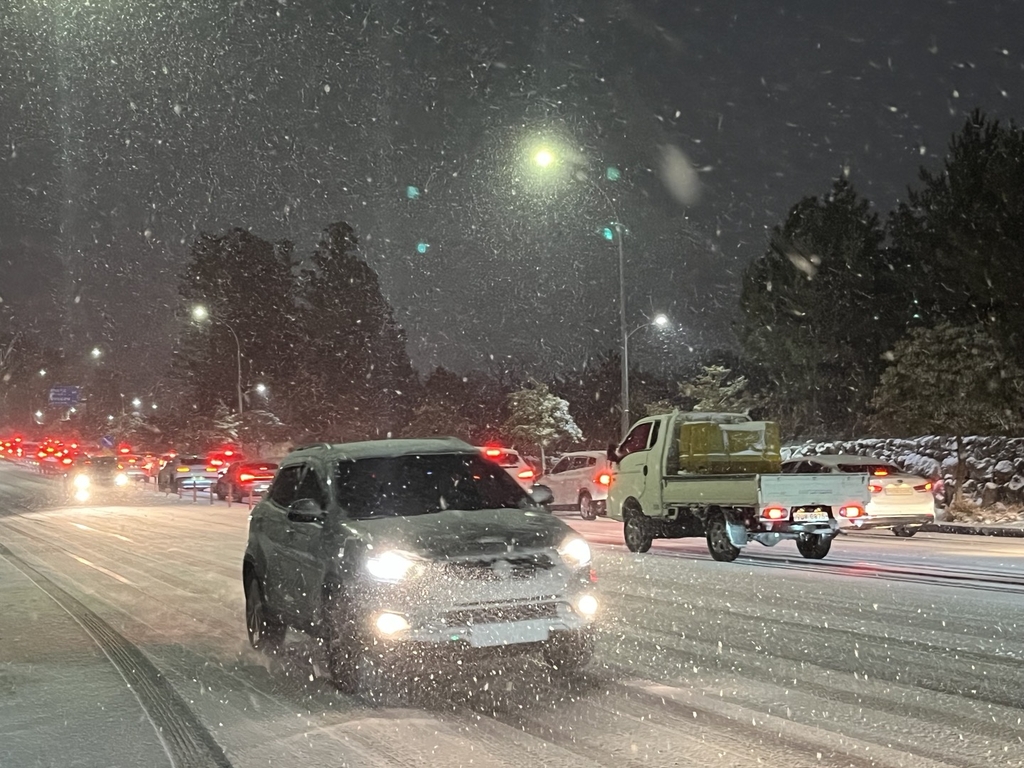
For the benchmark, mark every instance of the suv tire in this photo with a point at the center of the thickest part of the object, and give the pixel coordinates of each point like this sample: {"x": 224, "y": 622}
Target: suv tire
{"x": 348, "y": 656}
{"x": 568, "y": 652}
{"x": 265, "y": 632}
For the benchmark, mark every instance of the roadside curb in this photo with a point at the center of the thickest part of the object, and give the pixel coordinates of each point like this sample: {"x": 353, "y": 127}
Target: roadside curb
{"x": 973, "y": 530}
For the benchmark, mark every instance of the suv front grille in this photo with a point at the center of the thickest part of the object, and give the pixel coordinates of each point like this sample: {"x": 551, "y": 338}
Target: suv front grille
{"x": 491, "y": 614}
{"x": 517, "y": 567}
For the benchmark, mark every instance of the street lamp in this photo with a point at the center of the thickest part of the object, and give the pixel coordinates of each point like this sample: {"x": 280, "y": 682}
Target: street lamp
{"x": 201, "y": 313}
{"x": 545, "y": 158}
{"x": 96, "y": 353}
{"x": 261, "y": 389}
{"x": 136, "y": 403}
{"x": 42, "y": 371}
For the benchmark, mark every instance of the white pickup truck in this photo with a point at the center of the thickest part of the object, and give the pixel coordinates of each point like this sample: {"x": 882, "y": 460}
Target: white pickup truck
{"x": 657, "y": 495}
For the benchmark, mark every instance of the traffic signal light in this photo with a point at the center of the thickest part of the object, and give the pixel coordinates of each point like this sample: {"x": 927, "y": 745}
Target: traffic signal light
{"x": 608, "y": 233}
{"x": 422, "y": 247}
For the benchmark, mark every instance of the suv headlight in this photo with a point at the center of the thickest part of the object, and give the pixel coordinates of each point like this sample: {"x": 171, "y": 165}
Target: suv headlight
{"x": 576, "y": 552}
{"x": 390, "y": 566}
{"x": 120, "y": 479}
{"x": 81, "y": 481}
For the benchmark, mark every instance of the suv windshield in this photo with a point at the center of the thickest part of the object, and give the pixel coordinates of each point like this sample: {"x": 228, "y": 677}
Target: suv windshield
{"x": 415, "y": 485}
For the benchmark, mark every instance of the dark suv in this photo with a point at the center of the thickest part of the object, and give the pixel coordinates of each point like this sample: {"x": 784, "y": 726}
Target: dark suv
{"x": 391, "y": 548}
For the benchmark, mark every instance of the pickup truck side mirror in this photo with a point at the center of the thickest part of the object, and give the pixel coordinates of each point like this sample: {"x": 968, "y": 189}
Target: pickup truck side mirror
{"x": 305, "y": 511}
{"x": 613, "y": 453}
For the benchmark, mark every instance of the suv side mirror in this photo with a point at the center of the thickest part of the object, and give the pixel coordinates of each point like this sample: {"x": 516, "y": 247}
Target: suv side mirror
{"x": 305, "y": 511}
{"x": 613, "y": 453}
{"x": 541, "y": 495}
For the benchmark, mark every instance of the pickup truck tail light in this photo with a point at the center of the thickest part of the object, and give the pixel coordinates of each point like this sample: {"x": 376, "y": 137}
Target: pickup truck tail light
{"x": 604, "y": 479}
{"x": 851, "y": 510}
{"x": 774, "y": 512}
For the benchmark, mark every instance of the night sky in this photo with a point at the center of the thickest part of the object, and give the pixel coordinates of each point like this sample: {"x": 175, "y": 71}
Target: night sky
{"x": 128, "y": 127}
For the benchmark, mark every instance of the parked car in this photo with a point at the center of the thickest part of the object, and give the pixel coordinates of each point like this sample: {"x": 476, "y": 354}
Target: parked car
{"x": 186, "y": 472}
{"x": 391, "y": 549}
{"x": 580, "y": 481}
{"x": 899, "y": 500}
{"x": 517, "y": 467}
{"x": 243, "y": 479}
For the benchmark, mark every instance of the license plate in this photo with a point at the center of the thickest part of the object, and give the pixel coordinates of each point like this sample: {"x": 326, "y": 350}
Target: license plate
{"x": 508, "y": 633}
{"x": 810, "y": 516}
{"x": 898, "y": 490}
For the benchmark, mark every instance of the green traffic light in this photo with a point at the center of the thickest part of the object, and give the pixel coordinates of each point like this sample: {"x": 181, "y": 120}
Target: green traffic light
{"x": 608, "y": 233}
{"x": 422, "y": 247}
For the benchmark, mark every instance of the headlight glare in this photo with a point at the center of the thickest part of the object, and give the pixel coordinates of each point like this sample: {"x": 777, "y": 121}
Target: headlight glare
{"x": 81, "y": 481}
{"x": 390, "y": 566}
{"x": 120, "y": 479}
{"x": 576, "y": 552}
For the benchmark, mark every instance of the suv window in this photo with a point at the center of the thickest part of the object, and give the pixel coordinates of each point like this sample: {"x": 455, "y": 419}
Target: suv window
{"x": 636, "y": 440}
{"x": 396, "y": 486}
{"x": 879, "y": 470}
{"x": 283, "y": 491}
{"x": 310, "y": 488}
{"x": 561, "y": 466}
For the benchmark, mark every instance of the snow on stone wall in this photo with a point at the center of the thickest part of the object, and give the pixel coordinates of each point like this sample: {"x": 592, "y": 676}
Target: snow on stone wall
{"x": 995, "y": 465}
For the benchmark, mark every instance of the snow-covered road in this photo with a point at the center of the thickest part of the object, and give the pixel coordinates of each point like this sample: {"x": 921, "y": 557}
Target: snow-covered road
{"x": 766, "y": 661}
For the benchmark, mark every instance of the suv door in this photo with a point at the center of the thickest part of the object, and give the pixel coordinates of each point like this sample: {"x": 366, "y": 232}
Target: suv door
{"x": 555, "y": 480}
{"x": 273, "y": 538}
{"x": 305, "y": 556}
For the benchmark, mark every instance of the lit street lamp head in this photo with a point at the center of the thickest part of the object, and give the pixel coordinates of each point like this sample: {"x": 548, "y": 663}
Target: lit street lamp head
{"x": 261, "y": 389}
{"x": 137, "y": 403}
{"x": 543, "y": 158}
{"x": 199, "y": 312}
{"x": 661, "y": 321}
{"x": 96, "y": 352}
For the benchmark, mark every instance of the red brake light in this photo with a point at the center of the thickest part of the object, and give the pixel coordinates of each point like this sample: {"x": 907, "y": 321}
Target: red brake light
{"x": 875, "y": 487}
{"x": 604, "y": 479}
{"x": 775, "y": 513}
{"x": 65, "y": 461}
{"x": 216, "y": 462}
{"x": 245, "y": 477}
{"x": 851, "y": 510}
{"x": 124, "y": 449}
{"x": 925, "y": 487}
{"x": 492, "y": 453}
{"x": 880, "y": 472}
{"x": 525, "y": 474}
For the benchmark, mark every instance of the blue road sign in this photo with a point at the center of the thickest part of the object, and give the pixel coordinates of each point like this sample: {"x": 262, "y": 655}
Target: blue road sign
{"x": 64, "y": 395}
{"x": 107, "y": 441}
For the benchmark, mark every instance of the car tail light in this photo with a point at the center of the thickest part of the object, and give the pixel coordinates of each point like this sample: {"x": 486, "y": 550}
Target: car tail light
{"x": 525, "y": 474}
{"x": 603, "y": 479}
{"x": 245, "y": 477}
{"x": 65, "y": 461}
{"x": 775, "y": 512}
{"x": 492, "y": 453}
{"x": 875, "y": 487}
{"x": 851, "y": 510}
{"x": 183, "y": 469}
{"x": 880, "y": 472}
{"x": 211, "y": 468}
{"x": 923, "y": 487}
{"x": 41, "y": 454}
{"x": 216, "y": 462}
{"x": 229, "y": 452}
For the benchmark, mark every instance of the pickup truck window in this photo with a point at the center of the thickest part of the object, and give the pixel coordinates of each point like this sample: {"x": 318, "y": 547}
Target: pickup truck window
{"x": 636, "y": 440}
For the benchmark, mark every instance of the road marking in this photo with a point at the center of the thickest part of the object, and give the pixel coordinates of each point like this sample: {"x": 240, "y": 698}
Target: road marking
{"x": 101, "y": 569}
{"x": 96, "y": 530}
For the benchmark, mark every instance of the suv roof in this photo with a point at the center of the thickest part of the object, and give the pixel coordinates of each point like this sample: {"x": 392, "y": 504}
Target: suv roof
{"x": 376, "y": 449}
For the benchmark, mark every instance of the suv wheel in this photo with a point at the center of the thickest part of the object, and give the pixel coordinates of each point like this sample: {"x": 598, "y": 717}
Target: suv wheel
{"x": 586, "y": 505}
{"x": 265, "y": 632}
{"x": 348, "y": 657}
{"x": 569, "y": 652}
{"x": 904, "y": 532}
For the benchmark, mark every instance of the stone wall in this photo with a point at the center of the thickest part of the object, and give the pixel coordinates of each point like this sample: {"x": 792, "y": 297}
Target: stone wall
{"x": 995, "y": 465}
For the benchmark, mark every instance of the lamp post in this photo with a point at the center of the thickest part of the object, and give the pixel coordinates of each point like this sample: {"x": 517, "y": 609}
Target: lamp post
{"x": 200, "y": 313}
{"x": 544, "y": 158}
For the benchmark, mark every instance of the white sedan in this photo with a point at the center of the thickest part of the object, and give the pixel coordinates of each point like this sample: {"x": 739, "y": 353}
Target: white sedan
{"x": 900, "y": 501}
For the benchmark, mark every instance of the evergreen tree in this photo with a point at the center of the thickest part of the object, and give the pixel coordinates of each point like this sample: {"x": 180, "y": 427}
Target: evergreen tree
{"x": 819, "y": 304}
{"x": 951, "y": 380}
{"x": 357, "y": 374}
{"x": 537, "y": 417}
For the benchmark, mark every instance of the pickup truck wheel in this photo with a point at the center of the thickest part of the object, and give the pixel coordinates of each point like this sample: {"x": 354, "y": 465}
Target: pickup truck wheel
{"x": 719, "y": 544}
{"x": 265, "y": 632}
{"x": 586, "y": 504}
{"x": 636, "y": 533}
{"x": 814, "y": 547}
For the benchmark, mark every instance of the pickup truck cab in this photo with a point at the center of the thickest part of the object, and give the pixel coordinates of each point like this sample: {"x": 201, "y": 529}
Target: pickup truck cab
{"x": 668, "y": 484}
